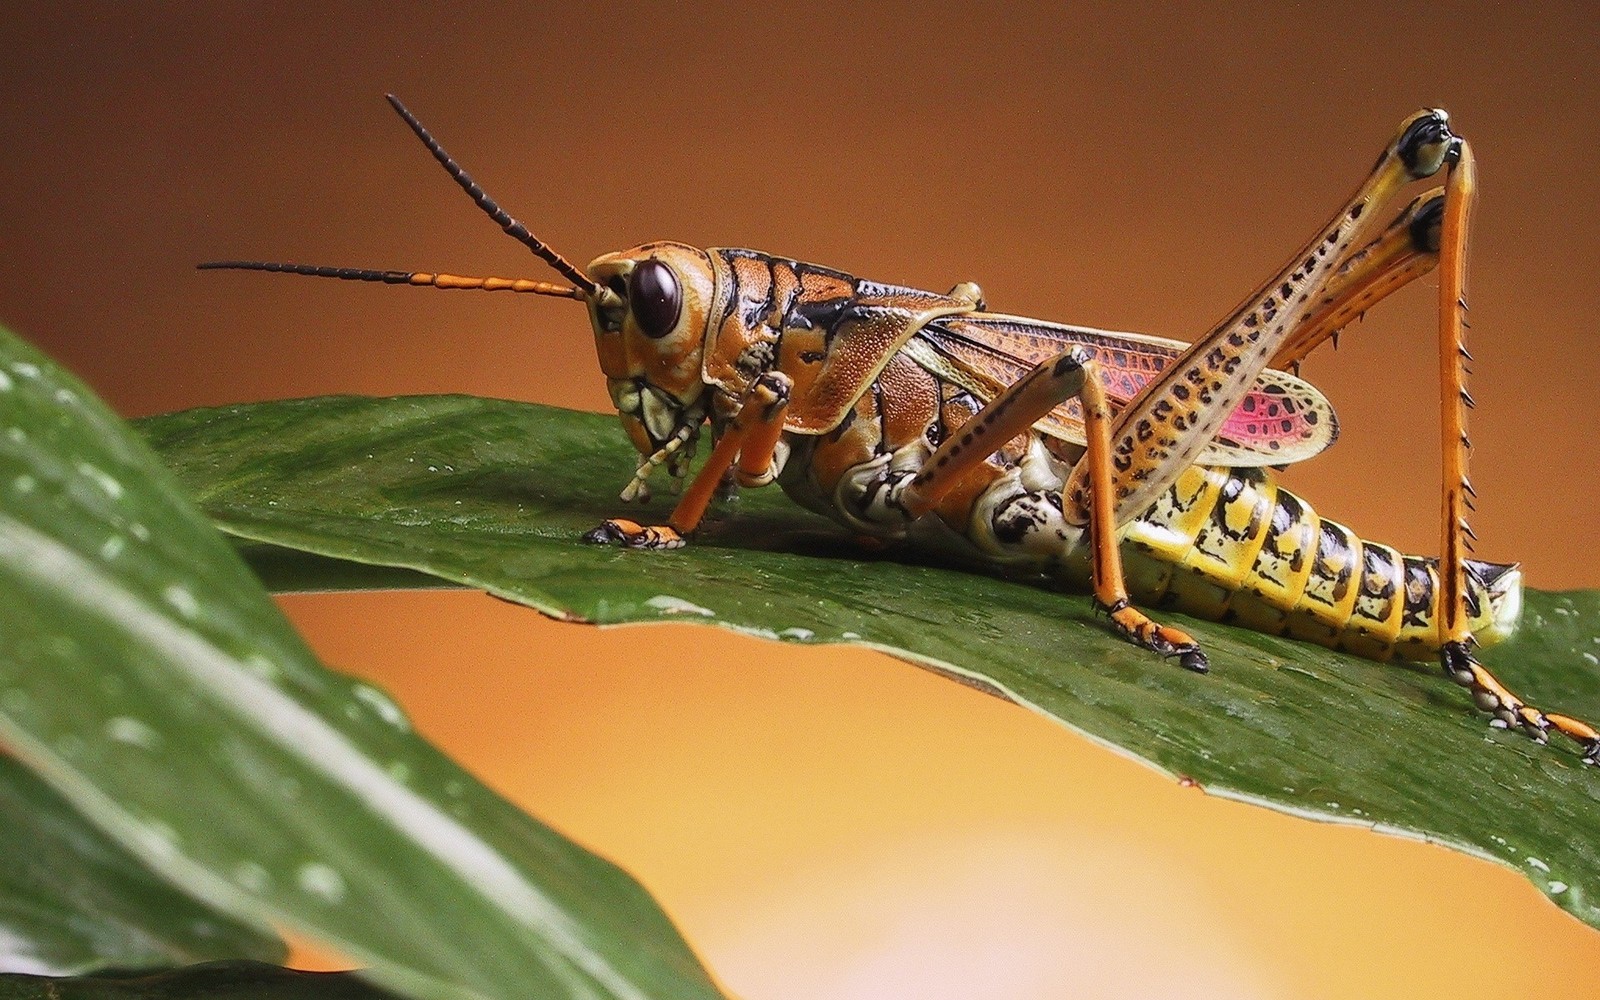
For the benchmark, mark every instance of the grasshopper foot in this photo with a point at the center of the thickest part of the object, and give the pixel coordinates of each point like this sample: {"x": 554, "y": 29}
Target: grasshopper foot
{"x": 634, "y": 535}
{"x": 1510, "y": 712}
{"x": 1137, "y": 627}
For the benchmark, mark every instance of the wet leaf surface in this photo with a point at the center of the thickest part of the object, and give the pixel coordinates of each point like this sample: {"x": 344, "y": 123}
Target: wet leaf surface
{"x": 72, "y": 900}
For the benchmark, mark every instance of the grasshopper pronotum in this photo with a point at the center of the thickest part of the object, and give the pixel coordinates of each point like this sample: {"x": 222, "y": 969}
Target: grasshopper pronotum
{"x": 879, "y": 405}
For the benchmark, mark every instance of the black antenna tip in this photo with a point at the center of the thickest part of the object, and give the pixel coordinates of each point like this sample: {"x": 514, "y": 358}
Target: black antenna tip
{"x": 512, "y": 227}
{"x": 310, "y": 270}
{"x": 405, "y": 112}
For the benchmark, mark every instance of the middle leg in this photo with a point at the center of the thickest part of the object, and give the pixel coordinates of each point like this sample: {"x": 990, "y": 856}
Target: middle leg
{"x": 1014, "y": 411}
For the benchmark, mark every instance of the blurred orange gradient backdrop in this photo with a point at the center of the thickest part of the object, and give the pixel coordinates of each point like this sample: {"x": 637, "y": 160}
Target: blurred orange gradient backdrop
{"x": 824, "y": 822}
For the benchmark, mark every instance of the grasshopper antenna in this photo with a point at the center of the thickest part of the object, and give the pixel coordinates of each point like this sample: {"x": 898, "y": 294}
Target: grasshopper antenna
{"x": 423, "y": 279}
{"x": 512, "y": 227}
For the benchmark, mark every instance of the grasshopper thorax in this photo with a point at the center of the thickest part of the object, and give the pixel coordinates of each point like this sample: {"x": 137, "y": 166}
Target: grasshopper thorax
{"x": 650, "y": 317}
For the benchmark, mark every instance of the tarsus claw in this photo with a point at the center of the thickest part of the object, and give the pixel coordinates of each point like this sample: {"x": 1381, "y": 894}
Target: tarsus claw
{"x": 605, "y": 533}
{"x": 1194, "y": 659}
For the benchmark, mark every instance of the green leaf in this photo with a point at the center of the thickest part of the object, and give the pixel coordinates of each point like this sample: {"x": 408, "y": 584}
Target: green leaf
{"x": 234, "y": 980}
{"x": 496, "y": 495}
{"x": 72, "y": 900}
{"x": 148, "y": 677}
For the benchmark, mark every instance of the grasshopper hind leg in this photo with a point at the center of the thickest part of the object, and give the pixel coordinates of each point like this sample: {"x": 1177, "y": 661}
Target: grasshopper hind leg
{"x": 1456, "y": 640}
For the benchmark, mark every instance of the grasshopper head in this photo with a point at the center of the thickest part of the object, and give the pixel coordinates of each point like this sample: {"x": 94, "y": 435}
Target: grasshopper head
{"x": 649, "y": 307}
{"x": 650, "y": 314}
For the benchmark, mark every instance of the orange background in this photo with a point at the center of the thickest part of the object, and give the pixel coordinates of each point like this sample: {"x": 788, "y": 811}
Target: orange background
{"x": 832, "y": 823}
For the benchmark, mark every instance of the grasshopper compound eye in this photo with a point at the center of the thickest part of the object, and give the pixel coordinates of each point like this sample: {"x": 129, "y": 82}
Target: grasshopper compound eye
{"x": 655, "y": 298}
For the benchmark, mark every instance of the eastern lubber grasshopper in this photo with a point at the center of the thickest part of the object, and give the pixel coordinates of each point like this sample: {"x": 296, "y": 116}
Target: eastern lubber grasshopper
{"x": 879, "y": 405}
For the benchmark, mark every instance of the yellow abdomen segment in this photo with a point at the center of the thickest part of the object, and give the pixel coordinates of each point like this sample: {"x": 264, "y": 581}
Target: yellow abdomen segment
{"x": 1233, "y": 546}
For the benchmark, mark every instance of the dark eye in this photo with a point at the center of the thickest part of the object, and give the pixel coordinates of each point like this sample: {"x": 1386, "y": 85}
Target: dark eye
{"x": 654, "y": 297}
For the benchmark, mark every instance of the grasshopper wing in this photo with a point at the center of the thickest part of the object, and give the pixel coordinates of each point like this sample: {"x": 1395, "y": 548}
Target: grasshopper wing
{"x": 1283, "y": 420}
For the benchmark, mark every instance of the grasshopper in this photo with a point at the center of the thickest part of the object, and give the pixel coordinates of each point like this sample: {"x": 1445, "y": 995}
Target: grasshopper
{"x": 882, "y": 406}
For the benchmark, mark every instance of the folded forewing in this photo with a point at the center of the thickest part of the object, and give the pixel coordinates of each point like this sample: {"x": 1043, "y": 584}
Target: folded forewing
{"x": 1282, "y": 420}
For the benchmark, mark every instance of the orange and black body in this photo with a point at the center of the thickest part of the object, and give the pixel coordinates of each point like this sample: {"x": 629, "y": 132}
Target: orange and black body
{"x": 1223, "y": 543}
{"x": 1137, "y": 464}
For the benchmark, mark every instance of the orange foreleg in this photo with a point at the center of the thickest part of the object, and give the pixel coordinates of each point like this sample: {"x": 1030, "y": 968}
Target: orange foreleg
{"x": 750, "y": 441}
